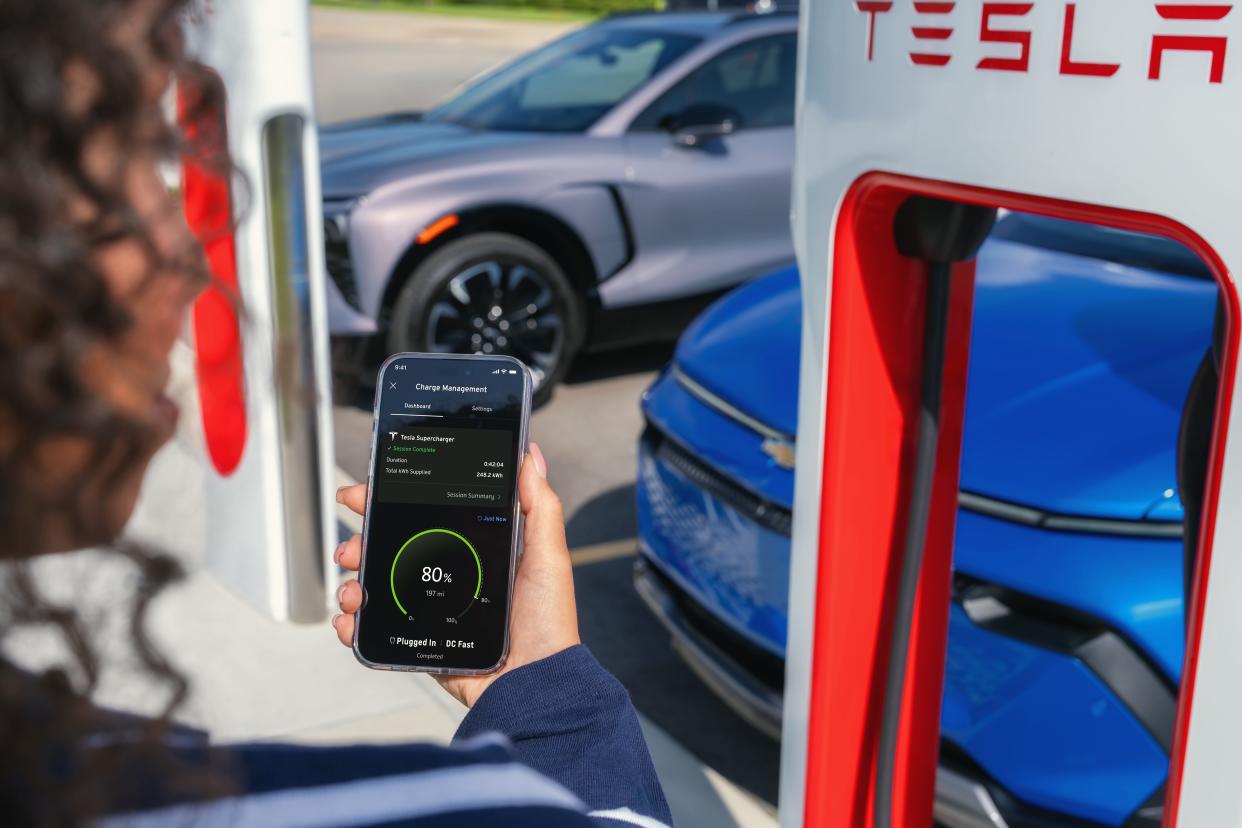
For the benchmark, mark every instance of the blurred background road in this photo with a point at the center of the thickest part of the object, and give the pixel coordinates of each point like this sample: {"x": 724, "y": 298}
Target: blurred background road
{"x": 369, "y": 63}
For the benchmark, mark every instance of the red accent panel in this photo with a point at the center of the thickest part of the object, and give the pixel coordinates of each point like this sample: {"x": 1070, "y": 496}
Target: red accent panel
{"x": 871, "y": 400}
{"x": 925, "y": 59}
{"x": 928, "y": 33}
{"x": 1177, "y": 12}
{"x": 1215, "y": 46}
{"x": 872, "y": 409}
{"x": 217, "y": 333}
{"x": 989, "y": 35}
{"x": 929, "y": 7}
{"x": 1069, "y": 66}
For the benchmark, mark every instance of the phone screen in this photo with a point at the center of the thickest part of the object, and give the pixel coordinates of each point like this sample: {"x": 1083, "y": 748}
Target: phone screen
{"x": 440, "y": 536}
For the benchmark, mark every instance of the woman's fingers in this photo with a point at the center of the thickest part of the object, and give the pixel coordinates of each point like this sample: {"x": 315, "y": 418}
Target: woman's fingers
{"x": 349, "y": 599}
{"x": 344, "y": 626}
{"x": 353, "y": 497}
{"x": 348, "y": 554}
{"x": 349, "y": 596}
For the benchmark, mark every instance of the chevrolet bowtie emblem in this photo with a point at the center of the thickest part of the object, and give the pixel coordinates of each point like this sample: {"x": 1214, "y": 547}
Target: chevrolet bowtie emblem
{"x": 782, "y": 452}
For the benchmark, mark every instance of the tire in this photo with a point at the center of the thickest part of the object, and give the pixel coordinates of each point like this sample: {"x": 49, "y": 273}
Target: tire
{"x": 476, "y": 294}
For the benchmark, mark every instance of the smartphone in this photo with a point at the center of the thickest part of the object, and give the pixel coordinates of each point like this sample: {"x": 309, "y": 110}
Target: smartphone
{"x": 442, "y": 526}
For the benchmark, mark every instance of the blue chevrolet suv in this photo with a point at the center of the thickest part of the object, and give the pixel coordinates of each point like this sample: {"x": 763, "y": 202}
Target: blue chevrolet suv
{"x": 1065, "y": 640}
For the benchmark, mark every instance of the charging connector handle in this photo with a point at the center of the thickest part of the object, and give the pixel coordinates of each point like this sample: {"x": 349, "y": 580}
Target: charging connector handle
{"x": 940, "y": 233}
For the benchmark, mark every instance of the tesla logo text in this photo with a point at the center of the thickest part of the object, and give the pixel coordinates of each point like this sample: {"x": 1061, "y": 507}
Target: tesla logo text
{"x": 932, "y": 32}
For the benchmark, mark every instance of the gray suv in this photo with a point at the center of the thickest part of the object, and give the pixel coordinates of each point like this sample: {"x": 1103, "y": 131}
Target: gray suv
{"x": 594, "y": 192}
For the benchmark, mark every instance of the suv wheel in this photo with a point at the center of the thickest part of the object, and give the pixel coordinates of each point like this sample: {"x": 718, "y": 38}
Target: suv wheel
{"x": 491, "y": 293}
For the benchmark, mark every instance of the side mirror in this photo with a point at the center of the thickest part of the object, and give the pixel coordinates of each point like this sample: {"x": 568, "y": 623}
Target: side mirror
{"x": 700, "y": 124}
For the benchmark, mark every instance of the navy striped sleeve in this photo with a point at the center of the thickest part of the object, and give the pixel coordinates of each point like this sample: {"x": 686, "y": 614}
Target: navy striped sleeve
{"x": 474, "y": 784}
{"x": 571, "y": 720}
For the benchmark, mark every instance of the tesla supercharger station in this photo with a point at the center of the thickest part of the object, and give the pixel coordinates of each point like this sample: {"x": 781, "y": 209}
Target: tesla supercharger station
{"x": 1117, "y": 112}
{"x": 248, "y": 487}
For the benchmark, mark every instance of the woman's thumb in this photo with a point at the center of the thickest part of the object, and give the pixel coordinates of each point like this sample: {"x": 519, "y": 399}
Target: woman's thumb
{"x": 545, "y": 523}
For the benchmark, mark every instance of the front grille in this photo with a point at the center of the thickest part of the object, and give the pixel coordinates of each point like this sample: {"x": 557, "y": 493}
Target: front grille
{"x": 338, "y": 262}
{"x": 769, "y": 515}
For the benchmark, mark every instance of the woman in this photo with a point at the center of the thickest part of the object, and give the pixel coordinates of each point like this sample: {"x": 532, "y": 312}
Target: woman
{"x": 97, "y": 271}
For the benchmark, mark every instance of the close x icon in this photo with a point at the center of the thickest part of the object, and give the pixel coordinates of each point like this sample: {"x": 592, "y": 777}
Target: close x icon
{"x": 1002, "y": 23}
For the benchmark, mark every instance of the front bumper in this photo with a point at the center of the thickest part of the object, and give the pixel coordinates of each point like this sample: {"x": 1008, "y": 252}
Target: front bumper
{"x": 1042, "y": 733}
{"x": 726, "y": 547}
{"x": 751, "y": 698}
{"x": 965, "y": 798}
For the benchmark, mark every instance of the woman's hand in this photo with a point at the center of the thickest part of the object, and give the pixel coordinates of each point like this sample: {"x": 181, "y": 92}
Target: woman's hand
{"x": 544, "y": 620}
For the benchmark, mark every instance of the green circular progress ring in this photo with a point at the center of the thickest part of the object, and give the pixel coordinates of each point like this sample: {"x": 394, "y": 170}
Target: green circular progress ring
{"x": 392, "y": 573}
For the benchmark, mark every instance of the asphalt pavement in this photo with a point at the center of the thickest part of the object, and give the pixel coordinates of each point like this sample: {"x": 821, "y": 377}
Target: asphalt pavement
{"x": 369, "y": 63}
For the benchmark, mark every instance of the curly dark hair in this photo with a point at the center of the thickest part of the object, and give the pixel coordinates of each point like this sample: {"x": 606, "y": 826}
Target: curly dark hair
{"x": 55, "y": 306}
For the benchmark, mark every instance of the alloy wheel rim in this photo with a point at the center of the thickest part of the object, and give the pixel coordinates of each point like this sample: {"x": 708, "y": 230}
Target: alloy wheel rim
{"x": 497, "y": 307}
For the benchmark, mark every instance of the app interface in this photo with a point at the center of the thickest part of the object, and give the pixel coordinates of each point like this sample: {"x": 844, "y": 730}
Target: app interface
{"x": 440, "y": 533}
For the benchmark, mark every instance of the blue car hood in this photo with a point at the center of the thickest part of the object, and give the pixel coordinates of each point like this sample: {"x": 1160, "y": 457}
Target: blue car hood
{"x": 1079, "y": 369}
{"x": 745, "y": 349}
{"x": 358, "y": 156}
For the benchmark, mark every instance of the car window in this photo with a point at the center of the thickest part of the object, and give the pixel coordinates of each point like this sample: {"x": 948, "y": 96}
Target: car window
{"x": 602, "y": 78}
{"x": 567, "y": 85}
{"x": 755, "y": 80}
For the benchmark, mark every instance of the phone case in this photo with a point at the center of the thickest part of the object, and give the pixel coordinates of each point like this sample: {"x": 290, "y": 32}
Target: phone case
{"x": 517, "y": 520}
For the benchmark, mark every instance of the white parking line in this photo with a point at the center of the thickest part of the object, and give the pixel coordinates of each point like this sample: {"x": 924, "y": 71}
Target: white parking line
{"x": 608, "y": 551}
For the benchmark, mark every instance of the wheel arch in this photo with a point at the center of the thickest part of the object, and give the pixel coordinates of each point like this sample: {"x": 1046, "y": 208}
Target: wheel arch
{"x": 539, "y": 227}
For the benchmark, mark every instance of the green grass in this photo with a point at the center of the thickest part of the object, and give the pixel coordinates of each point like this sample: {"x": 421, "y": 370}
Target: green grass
{"x": 462, "y": 10}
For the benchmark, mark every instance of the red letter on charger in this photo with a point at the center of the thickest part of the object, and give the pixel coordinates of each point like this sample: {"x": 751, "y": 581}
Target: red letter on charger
{"x": 989, "y": 35}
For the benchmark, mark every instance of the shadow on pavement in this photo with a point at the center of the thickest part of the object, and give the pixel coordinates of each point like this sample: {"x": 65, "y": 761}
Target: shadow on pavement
{"x": 694, "y": 797}
{"x": 607, "y": 364}
{"x": 609, "y": 516}
{"x": 628, "y": 641}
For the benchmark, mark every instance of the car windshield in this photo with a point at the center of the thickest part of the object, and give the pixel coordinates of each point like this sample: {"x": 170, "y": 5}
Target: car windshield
{"x": 567, "y": 85}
